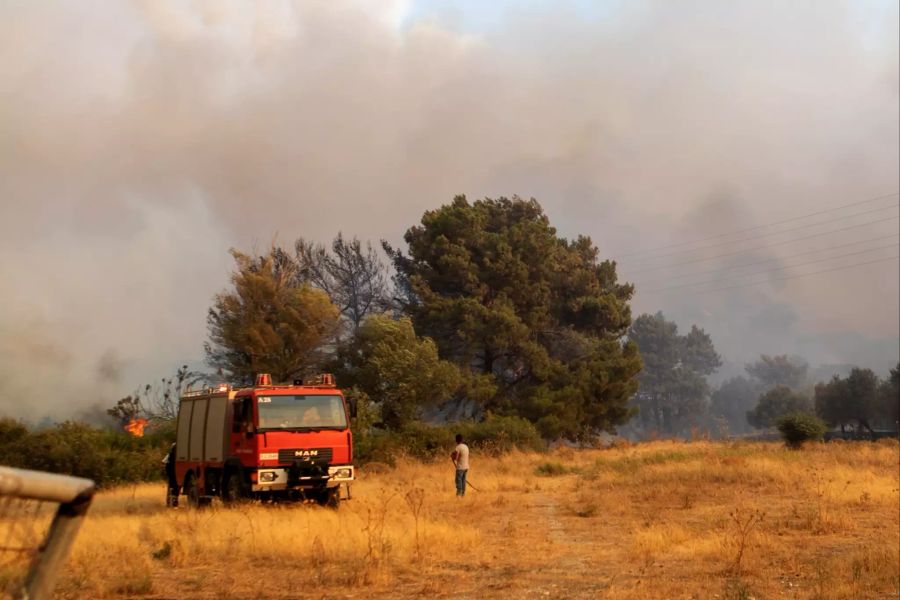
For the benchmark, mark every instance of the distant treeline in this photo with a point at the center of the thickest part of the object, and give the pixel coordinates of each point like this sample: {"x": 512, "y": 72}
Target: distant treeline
{"x": 778, "y": 385}
{"x": 675, "y": 397}
{"x": 488, "y": 321}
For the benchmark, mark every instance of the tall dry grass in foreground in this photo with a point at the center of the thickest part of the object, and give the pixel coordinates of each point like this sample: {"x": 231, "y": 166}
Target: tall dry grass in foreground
{"x": 132, "y": 545}
{"x": 656, "y": 520}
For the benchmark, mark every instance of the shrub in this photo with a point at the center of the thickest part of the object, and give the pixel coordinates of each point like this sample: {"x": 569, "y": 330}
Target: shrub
{"x": 799, "y": 427}
{"x": 550, "y": 469}
{"x": 425, "y": 441}
{"x": 12, "y": 433}
{"x": 495, "y": 435}
{"x": 375, "y": 446}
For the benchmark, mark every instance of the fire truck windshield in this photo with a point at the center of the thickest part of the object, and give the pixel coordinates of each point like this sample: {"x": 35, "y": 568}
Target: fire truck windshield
{"x": 301, "y": 412}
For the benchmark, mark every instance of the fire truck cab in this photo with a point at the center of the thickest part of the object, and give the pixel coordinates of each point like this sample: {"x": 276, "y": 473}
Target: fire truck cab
{"x": 269, "y": 442}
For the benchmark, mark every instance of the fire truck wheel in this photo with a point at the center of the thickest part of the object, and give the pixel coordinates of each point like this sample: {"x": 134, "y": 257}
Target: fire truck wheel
{"x": 233, "y": 490}
{"x": 330, "y": 497}
{"x": 192, "y": 491}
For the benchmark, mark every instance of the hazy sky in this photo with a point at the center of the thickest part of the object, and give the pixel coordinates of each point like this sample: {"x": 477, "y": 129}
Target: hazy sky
{"x": 140, "y": 140}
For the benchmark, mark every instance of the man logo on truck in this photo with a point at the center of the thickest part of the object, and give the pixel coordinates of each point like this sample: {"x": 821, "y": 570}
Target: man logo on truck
{"x": 278, "y": 442}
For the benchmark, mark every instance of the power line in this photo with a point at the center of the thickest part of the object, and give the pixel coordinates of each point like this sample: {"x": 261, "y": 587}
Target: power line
{"x": 773, "y": 233}
{"x": 798, "y": 218}
{"x": 760, "y": 262}
{"x": 762, "y": 247}
{"x": 810, "y": 262}
{"x": 735, "y": 287}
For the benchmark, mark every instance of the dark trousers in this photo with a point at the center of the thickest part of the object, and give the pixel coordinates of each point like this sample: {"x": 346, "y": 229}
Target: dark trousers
{"x": 461, "y": 482}
{"x": 172, "y": 486}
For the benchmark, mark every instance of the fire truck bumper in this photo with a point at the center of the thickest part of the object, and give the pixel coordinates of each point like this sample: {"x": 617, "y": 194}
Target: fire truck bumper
{"x": 281, "y": 479}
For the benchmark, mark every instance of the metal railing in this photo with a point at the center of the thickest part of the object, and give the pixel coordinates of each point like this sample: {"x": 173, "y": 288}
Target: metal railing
{"x": 30, "y": 560}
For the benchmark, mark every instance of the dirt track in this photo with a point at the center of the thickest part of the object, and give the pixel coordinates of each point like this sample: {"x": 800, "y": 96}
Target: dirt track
{"x": 543, "y": 550}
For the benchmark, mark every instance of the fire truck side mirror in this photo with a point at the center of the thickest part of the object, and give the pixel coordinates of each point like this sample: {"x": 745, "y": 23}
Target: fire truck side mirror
{"x": 351, "y": 404}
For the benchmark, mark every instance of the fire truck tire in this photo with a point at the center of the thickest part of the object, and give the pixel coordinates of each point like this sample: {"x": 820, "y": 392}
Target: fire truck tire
{"x": 192, "y": 491}
{"x": 233, "y": 489}
{"x": 330, "y": 497}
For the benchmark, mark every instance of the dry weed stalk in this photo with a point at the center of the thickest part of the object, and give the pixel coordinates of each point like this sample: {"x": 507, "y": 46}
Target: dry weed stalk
{"x": 742, "y": 526}
{"x": 821, "y": 485}
{"x": 378, "y": 546}
{"x": 415, "y": 499}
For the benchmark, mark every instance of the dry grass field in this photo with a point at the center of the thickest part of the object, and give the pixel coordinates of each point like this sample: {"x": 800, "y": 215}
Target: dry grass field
{"x": 654, "y": 520}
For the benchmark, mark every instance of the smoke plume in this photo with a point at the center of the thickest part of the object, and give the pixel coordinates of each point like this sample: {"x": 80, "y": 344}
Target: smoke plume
{"x": 140, "y": 140}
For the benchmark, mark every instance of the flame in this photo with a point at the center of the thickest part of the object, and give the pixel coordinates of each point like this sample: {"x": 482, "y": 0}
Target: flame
{"x": 136, "y": 427}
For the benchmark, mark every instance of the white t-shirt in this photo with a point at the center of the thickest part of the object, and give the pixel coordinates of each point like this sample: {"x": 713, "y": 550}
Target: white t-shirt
{"x": 462, "y": 457}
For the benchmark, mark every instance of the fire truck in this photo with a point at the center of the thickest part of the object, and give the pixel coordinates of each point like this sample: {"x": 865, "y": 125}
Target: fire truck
{"x": 267, "y": 442}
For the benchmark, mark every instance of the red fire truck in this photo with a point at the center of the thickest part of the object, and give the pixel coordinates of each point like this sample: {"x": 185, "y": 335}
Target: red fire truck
{"x": 270, "y": 442}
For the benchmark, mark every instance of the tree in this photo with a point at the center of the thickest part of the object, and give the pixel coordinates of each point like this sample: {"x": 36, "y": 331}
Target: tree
{"x": 268, "y": 323}
{"x": 862, "y": 386}
{"x": 776, "y": 403}
{"x": 831, "y": 402}
{"x": 889, "y": 399}
{"x": 854, "y": 398}
{"x": 673, "y": 386}
{"x": 398, "y": 369}
{"x": 732, "y": 400}
{"x": 503, "y": 296}
{"x": 127, "y": 409}
{"x": 353, "y": 276}
{"x": 698, "y": 353}
{"x": 157, "y": 402}
{"x": 772, "y": 371}
{"x": 160, "y": 402}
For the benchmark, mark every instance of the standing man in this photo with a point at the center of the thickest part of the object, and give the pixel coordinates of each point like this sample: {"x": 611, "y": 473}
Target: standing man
{"x": 460, "y": 458}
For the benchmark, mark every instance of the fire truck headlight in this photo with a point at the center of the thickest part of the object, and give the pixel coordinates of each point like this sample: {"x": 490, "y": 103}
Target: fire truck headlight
{"x": 343, "y": 474}
{"x": 267, "y": 477}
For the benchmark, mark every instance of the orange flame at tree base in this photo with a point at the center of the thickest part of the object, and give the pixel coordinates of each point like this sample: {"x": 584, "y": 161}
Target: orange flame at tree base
{"x": 136, "y": 427}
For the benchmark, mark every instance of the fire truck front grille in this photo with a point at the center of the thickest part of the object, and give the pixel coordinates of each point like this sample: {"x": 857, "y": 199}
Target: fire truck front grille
{"x": 288, "y": 455}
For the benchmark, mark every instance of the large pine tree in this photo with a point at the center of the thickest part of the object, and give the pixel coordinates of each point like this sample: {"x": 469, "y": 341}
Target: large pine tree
{"x": 503, "y": 296}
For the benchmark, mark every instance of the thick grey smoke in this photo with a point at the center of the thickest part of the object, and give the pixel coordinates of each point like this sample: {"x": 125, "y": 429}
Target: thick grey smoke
{"x": 138, "y": 141}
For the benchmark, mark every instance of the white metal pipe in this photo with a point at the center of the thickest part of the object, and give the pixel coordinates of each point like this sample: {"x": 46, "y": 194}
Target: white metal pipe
{"x": 37, "y": 485}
